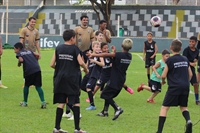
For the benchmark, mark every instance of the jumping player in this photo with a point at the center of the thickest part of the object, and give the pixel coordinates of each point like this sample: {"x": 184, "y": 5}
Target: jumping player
{"x": 121, "y": 61}
{"x": 155, "y": 81}
{"x": 149, "y": 53}
{"x": 178, "y": 73}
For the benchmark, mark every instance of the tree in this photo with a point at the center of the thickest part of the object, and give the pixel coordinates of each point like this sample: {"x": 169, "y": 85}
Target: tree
{"x": 176, "y": 2}
{"x": 105, "y": 8}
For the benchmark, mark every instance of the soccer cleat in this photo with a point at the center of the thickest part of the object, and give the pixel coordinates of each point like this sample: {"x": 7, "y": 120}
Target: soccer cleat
{"x": 140, "y": 87}
{"x": 59, "y": 131}
{"x": 197, "y": 102}
{"x": 87, "y": 100}
{"x": 2, "y": 86}
{"x": 102, "y": 114}
{"x": 23, "y": 104}
{"x": 129, "y": 90}
{"x": 79, "y": 131}
{"x": 189, "y": 127}
{"x": 72, "y": 117}
{"x": 67, "y": 115}
{"x": 117, "y": 113}
{"x": 91, "y": 108}
{"x": 151, "y": 101}
{"x": 44, "y": 105}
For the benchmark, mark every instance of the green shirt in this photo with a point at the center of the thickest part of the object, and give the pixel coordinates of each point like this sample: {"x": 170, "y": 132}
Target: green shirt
{"x": 159, "y": 70}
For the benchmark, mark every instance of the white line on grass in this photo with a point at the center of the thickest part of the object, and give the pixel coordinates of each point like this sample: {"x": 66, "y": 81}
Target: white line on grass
{"x": 139, "y": 56}
{"x": 191, "y": 92}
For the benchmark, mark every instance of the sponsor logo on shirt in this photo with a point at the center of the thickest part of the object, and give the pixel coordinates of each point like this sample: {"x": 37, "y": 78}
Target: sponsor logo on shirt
{"x": 65, "y": 57}
{"x": 180, "y": 64}
{"x": 149, "y": 51}
{"x": 125, "y": 61}
{"x": 25, "y": 53}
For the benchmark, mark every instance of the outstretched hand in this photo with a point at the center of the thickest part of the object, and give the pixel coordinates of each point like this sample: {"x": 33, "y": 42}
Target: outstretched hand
{"x": 113, "y": 49}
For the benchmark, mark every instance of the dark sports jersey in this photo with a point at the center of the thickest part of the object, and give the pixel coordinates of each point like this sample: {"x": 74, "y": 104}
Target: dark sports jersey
{"x": 106, "y": 70}
{"x": 30, "y": 63}
{"x": 67, "y": 70}
{"x": 198, "y": 47}
{"x": 94, "y": 69}
{"x": 150, "y": 48}
{"x": 191, "y": 55}
{"x": 178, "y": 76}
{"x": 118, "y": 72}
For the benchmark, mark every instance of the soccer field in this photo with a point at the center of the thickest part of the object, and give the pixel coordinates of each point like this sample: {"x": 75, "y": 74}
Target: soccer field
{"x": 138, "y": 117}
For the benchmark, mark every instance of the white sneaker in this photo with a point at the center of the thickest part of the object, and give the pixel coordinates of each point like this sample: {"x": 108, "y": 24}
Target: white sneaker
{"x": 72, "y": 117}
{"x": 67, "y": 115}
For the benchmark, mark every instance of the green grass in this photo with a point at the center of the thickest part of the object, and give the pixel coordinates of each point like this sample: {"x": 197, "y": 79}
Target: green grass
{"x": 138, "y": 116}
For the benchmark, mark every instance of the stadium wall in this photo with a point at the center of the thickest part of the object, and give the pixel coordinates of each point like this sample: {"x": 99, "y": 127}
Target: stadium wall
{"x": 138, "y": 43}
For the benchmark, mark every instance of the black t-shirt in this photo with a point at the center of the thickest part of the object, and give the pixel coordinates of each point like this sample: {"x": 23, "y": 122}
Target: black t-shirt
{"x": 198, "y": 47}
{"x": 118, "y": 72}
{"x": 150, "y": 48}
{"x": 178, "y": 76}
{"x": 30, "y": 63}
{"x": 94, "y": 69}
{"x": 106, "y": 70}
{"x": 191, "y": 55}
{"x": 67, "y": 69}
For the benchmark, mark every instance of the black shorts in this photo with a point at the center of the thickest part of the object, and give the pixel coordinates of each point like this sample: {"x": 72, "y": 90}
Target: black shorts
{"x": 149, "y": 62}
{"x": 175, "y": 100}
{"x": 155, "y": 86}
{"x": 109, "y": 92}
{"x": 102, "y": 80}
{"x": 84, "y": 83}
{"x": 34, "y": 79}
{"x": 64, "y": 98}
{"x": 194, "y": 77}
{"x": 91, "y": 83}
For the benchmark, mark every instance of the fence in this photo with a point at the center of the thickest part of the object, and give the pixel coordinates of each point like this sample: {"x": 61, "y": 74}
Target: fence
{"x": 86, "y": 2}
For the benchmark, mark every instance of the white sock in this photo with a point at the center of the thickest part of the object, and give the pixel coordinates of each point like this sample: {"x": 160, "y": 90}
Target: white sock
{"x": 0, "y": 82}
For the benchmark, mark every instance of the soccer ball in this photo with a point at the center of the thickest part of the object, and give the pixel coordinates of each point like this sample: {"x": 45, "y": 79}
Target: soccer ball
{"x": 155, "y": 21}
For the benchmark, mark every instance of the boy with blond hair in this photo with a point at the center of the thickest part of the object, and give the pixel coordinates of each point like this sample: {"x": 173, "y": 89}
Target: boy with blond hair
{"x": 120, "y": 64}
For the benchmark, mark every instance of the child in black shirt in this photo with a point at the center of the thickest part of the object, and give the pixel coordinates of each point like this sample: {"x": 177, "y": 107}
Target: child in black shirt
{"x": 120, "y": 64}
{"x": 32, "y": 72}
{"x": 178, "y": 73}
{"x": 192, "y": 53}
{"x": 67, "y": 61}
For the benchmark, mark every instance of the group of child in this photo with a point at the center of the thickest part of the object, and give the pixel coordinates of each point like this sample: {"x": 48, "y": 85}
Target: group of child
{"x": 111, "y": 70}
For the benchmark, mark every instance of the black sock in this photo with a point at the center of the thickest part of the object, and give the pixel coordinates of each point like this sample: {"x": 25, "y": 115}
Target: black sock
{"x": 59, "y": 112}
{"x": 161, "y": 123}
{"x": 76, "y": 111}
{"x": 186, "y": 115}
{"x": 106, "y": 106}
{"x": 67, "y": 109}
{"x": 90, "y": 95}
{"x": 112, "y": 103}
{"x": 125, "y": 87}
{"x": 148, "y": 76}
